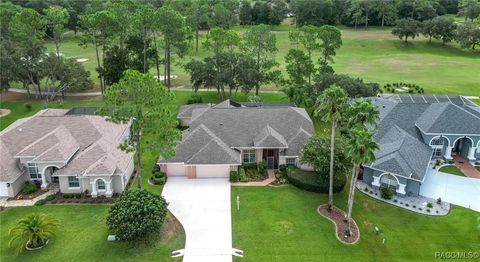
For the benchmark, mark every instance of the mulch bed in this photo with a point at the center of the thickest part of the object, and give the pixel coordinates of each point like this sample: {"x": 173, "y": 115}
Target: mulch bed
{"x": 22, "y": 196}
{"x": 337, "y": 216}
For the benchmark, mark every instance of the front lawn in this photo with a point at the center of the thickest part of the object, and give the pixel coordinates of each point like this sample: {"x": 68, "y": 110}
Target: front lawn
{"x": 83, "y": 236}
{"x": 282, "y": 224}
{"x": 453, "y": 170}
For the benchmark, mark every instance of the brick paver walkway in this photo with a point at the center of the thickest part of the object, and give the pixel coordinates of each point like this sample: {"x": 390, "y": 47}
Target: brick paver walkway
{"x": 270, "y": 179}
{"x": 465, "y": 166}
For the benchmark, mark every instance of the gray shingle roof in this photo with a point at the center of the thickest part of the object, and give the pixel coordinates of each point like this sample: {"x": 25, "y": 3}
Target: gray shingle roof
{"x": 185, "y": 111}
{"x": 268, "y": 137}
{"x": 231, "y": 125}
{"x": 448, "y": 118}
{"x": 402, "y": 149}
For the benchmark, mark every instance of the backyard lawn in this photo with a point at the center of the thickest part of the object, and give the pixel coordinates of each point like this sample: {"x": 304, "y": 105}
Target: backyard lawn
{"x": 374, "y": 55}
{"x": 452, "y": 170}
{"x": 282, "y": 224}
{"x": 83, "y": 236}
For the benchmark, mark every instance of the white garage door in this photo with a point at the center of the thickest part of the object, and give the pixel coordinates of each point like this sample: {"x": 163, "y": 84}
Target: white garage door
{"x": 3, "y": 189}
{"x": 176, "y": 170}
{"x": 213, "y": 171}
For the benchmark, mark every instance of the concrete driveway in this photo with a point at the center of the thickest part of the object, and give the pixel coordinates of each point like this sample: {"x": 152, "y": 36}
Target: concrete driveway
{"x": 457, "y": 190}
{"x": 203, "y": 208}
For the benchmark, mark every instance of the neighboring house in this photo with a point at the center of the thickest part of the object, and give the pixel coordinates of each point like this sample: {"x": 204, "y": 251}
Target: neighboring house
{"x": 415, "y": 130}
{"x": 224, "y": 136}
{"x": 76, "y": 151}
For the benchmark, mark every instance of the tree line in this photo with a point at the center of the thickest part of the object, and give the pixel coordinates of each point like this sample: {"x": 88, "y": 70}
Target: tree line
{"x": 378, "y": 12}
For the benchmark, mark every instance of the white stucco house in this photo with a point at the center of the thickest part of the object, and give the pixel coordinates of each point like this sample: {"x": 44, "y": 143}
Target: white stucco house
{"x": 222, "y": 137}
{"x": 78, "y": 152}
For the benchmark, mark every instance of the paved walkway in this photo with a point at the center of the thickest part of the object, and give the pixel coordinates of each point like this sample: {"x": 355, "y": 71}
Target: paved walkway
{"x": 203, "y": 208}
{"x": 465, "y": 166}
{"x": 458, "y": 190}
{"x": 27, "y": 202}
{"x": 268, "y": 181}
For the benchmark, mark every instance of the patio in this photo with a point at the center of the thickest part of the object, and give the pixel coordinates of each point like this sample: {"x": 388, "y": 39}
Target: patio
{"x": 417, "y": 204}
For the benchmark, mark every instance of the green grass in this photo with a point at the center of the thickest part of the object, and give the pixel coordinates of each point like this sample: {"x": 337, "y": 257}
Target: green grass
{"x": 452, "y": 170}
{"x": 373, "y": 54}
{"x": 476, "y": 101}
{"x": 282, "y": 224}
{"x": 83, "y": 236}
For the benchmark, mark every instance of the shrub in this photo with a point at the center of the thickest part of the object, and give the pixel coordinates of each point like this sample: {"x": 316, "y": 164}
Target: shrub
{"x": 428, "y": 210}
{"x": 414, "y": 206}
{"x": 407, "y": 205}
{"x": 282, "y": 168}
{"x": 439, "y": 200}
{"x": 387, "y": 193}
{"x": 242, "y": 176}
{"x": 71, "y": 195}
{"x": 29, "y": 187}
{"x": 159, "y": 180}
{"x": 28, "y": 106}
{"x": 313, "y": 182}
{"x": 395, "y": 201}
{"x": 137, "y": 214}
{"x": 158, "y": 177}
{"x": 365, "y": 189}
{"x": 430, "y": 205}
{"x": 233, "y": 176}
{"x": 41, "y": 202}
{"x": 261, "y": 167}
{"x": 50, "y": 197}
{"x": 195, "y": 99}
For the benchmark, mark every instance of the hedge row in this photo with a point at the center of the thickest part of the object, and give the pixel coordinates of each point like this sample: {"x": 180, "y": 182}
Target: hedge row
{"x": 313, "y": 182}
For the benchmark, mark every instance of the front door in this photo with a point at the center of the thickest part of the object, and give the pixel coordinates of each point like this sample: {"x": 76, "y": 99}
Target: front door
{"x": 270, "y": 162}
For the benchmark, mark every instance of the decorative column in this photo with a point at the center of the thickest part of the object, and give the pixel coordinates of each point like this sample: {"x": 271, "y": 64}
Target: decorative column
{"x": 94, "y": 189}
{"x": 376, "y": 182}
{"x": 44, "y": 181}
{"x": 109, "y": 192}
{"x": 471, "y": 153}
{"x": 401, "y": 189}
{"x": 448, "y": 153}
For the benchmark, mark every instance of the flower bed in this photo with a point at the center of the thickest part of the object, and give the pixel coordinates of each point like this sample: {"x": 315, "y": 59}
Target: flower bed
{"x": 337, "y": 216}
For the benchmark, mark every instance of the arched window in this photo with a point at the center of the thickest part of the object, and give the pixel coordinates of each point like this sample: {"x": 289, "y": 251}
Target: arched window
{"x": 388, "y": 180}
{"x": 100, "y": 185}
{"x": 437, "y": 141}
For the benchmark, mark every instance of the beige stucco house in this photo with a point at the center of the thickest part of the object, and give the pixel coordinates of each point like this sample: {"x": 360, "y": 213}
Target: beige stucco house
{"x": 78, "y": 152}
{"x": 222, "y": 137}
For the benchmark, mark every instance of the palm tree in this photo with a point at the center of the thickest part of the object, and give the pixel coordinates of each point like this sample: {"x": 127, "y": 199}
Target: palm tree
{"x": 33, "y": 230}
{"x": 363, "y": 112}
{"x": 331, "y": 105}
{"x": 361, "y": 148}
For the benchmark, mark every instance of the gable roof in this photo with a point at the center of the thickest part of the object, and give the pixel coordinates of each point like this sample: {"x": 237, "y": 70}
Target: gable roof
{"x": 215, "y": 132}
{"x": 448, "y": 118}
{"x": 402, "y": 154}
{"x": 78, "y": 141}
{"x": 268, "y": 137}
{"x": 402, "y": 148}
{"x": 201, "y": 146}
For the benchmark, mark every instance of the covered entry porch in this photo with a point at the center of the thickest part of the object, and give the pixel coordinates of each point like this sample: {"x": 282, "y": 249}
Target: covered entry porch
{"x": 270, "y": 157}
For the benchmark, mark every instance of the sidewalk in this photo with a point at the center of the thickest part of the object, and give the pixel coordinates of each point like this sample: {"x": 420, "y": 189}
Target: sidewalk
{"x": 270, "y": 179}
{"x": 465, "y": 166}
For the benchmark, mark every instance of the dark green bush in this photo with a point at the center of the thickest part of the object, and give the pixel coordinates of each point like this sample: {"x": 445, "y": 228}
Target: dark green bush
{"x": 41, "y": 202}
{"x": 29, "y": 187}
{"x": 195, "y": 99}
{"x": 234, "y": 176}
{"x": 137, "y": 214}
{"x": 28, "y": 106}
{"x": 242, "y": 176}
{"x": 314, "y": 182}
{"x": 158, "y": 177}
{"x": 159, "y": 180}
{"x": 71, "y": 195}
{"x": 387, "y": 193}
{"x": 51, "y": 197}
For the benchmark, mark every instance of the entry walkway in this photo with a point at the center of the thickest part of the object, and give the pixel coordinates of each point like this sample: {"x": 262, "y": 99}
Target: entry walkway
{"x": 203, "y": 208}
{"x": 465, "y": 166}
